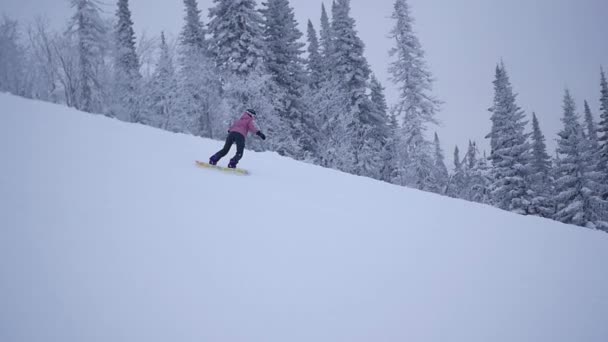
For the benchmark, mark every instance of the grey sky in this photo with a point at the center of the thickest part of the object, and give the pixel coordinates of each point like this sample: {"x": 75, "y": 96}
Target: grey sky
{"x": 545, "y": 44}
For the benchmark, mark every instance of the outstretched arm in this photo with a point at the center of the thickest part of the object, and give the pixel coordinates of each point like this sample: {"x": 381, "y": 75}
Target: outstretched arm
{"x": 254, "y": 129}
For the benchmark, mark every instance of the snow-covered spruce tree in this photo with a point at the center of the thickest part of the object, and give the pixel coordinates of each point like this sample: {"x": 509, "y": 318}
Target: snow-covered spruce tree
{"x": 390, "y": 154}
{"x": 416, "y": 106}
{"x": 127, "y": 79}
{"x": 199, "y": 86}
{"x": 510, "y": 153}
{"x": 598, "y": 175}
{"x": 480, "y": 178}
{"x": 603, "y": 139}
{"x": 375, "y": 153}
{"x": 540, "y": 174}
{"x": 576, "y": 195}
{"x": 476, "y": 177}
{"x": 326, "y": 41}
{"x": 439, "y": 174}
{"x": 236, "y": 30}
{"x": 591, "y": 129}
{"x": 163, "y": 91}
{"x": 286, "y": 66}
{"x": 314, "y": 62}
{"x": 469, "y": 166}
{"x": 352, "y": 72}
{"x": 456, "y": 182}
{"x": 327, "y": 106}
{"x": 89, "y": 31}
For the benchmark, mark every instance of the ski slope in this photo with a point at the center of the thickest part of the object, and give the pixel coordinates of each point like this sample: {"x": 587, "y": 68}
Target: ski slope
{"x": 108, "y": 232}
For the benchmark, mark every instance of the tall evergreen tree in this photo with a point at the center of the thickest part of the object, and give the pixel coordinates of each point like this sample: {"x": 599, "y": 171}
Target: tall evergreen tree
{"x": 510, "y": 148}
{"x": 354, "y": 73}
{"x": 390, "y": 155}
{"x": 193, "y": 33}
{"x": 326, "y": 40}
{"x": 477, "y": 176}
{"x": 457, "y": 180}
{"x": 471, "y": 178}
{"x": 314, "y": 62}
{"x": 576, "y": 196}
{"x": 89, "y": 31}
{"x": 591, "y": 128}
{"x": 375, "y": 137}
{"x": 163, "y": 92}
{"x": 328, "y": 106}
{"x": 540, "y": 173}
{"x": 347, "y": 55}
{"x": 416, "y": 106}
{"x": 283, "y": 46}
{"x": 285, "y": 65}
{"x": 603, "y": 138}
{"x": 127, "y": 78}
{"x": 440, "y": 173}
{"x": 237, "y": 42}
{"x": 199, "y": 83}
{"x": 471, "y": 157}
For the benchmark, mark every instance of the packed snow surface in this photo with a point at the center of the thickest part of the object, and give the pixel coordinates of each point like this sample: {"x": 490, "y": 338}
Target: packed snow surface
{"x": 108, "y": 232}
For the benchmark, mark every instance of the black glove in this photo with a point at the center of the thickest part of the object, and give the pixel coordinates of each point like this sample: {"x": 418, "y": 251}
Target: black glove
{"x": 261, "y": 135}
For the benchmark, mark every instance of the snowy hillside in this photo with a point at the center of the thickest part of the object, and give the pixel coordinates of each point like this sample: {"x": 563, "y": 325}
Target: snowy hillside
{"x": 108, "y": 232}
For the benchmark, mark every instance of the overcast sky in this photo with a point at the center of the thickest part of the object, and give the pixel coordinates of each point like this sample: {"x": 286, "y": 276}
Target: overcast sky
{"x": 545, "y": 44}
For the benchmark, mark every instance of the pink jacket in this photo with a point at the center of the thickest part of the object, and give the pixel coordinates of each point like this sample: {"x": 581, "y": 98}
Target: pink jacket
{"x": 244, "y": 125}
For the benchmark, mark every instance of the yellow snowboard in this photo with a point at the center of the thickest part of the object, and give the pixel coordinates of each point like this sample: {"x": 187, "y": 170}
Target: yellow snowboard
{"x": 221, "y": 168}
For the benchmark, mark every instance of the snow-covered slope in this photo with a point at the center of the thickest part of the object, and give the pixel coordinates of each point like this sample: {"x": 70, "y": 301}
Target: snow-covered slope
{"x": 108, "y": 232}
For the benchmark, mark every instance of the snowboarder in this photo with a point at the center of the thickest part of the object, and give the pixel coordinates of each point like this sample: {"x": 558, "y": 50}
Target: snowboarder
{"x": 237, "y": 134}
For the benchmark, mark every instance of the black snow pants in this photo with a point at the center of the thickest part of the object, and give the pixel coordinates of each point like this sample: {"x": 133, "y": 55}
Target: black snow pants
{"x": 233, "y": 138}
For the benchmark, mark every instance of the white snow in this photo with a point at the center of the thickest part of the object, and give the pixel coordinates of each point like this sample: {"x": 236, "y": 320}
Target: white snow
{"x": 108, "y": 232}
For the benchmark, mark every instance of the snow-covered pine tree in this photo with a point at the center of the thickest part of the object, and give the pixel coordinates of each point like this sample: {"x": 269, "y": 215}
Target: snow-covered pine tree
{"x": 390, "y": 154}
{"x": 540, "y": 174}
{"x": 327, "y": 106}
{"x": 352, "y": 72}
{"x": 416, "y": 106}
{"x": 476, "y": 179}
{"x": 603, "y": 139}
{"x": 286, "y": 66}
{"x": 283, "y": 46}
{"x": 576, "y": 195}
{"x": 510, "y": 148}
{"x": 347, "y": 56}
{"x": 162, "y": 92}
{"x": 326, "y": 41}
{"x": 439, "y": 174}
{"x": 127, "y": 78}
{"x": 456, "y": 182}
{"x": 591, "y": 129}
{"x": 199, "y": 94}
{"x": 597, "y": 175}
{"x": 89, "y": 31}
{"x": 374, "y": 152}
{"x": 471, "y": 157}
{"x": 236, "y": 42}
{"x": 480, "y": 178}
{"x": 314, "y": 62}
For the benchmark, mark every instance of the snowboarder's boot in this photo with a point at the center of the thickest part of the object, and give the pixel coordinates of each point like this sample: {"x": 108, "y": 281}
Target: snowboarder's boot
{"x": 213, "y": 160}
{"x": 232, "y": 164}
